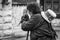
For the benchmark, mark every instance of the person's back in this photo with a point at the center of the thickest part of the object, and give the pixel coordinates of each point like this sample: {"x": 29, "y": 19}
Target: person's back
{"x": 41, "y": 29}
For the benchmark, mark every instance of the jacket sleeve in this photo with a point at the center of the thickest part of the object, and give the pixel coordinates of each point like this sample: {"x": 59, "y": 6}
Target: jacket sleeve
{"x": 30, "y": 24}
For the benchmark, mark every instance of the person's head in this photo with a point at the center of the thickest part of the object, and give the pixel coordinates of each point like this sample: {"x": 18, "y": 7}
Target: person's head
{"x": 33, "y": 8}
{"x": 24, "y": 11}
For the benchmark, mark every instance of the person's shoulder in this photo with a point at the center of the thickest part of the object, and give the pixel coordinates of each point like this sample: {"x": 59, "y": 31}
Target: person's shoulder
{"x": 36, "y": 16}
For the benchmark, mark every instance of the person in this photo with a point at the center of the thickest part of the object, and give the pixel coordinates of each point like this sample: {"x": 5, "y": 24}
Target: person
{"x": 38, "y": 27}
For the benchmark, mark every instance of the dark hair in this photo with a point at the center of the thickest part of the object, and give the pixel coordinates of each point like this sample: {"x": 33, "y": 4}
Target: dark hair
{"x": 34, "y": 8}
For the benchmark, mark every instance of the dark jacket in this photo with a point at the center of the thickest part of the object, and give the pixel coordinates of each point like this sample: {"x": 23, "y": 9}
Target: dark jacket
{"x": 38, "y": 27}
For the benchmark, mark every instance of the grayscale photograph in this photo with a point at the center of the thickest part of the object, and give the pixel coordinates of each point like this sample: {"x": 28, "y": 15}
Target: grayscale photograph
{"x": 29, "y": 19}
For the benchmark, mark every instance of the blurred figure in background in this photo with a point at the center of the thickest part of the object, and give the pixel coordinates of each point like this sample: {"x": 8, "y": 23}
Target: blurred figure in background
{"x": 39, "y": 28}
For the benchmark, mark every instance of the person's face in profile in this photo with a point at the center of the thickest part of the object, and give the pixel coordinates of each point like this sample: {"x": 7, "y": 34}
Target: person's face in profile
{"x": 24, "y": 12}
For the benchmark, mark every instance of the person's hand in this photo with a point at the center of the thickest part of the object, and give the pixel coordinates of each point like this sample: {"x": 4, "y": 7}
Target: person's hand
{"x": 24, "y": 18}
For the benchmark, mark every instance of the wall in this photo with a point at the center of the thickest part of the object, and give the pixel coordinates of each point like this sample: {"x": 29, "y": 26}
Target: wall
{"x": 10, "y": 20}
{"x": 17, "y": 14}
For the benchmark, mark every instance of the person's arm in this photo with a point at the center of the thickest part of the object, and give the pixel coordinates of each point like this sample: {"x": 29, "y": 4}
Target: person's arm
{"x": 30, "y": 24}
